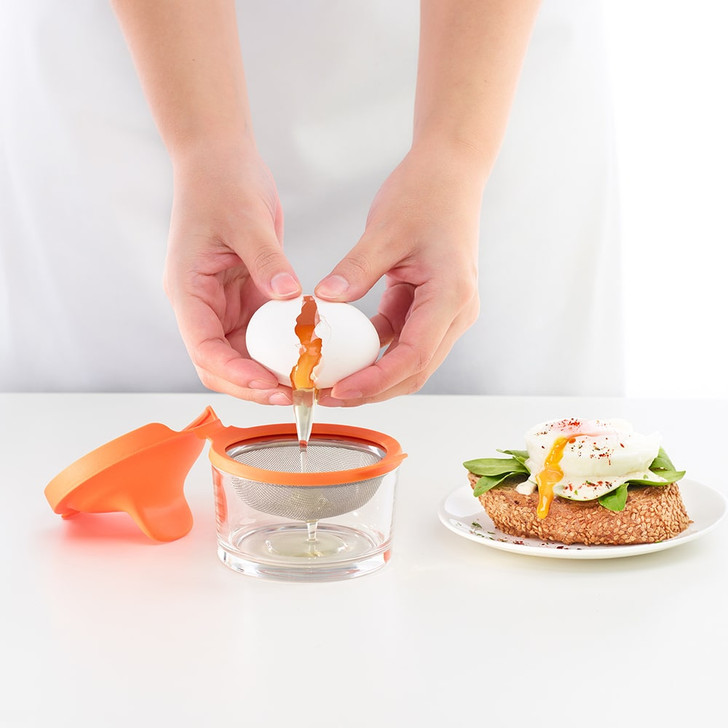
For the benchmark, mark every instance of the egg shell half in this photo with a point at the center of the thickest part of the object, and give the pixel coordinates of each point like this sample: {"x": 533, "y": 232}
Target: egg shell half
{"x": 349, "y": 341}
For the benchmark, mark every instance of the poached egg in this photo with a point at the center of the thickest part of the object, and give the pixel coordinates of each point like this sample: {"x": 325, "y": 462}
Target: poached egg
{"x": 582, "y": 460}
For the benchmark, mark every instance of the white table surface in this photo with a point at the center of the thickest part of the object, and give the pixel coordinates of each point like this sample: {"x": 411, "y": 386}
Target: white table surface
{"x": 102, "y": 627}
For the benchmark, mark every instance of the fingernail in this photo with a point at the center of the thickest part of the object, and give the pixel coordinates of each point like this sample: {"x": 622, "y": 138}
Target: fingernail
{"x": 332, "y": 287}
{"x": 262, "y": 384}
{"x": 279, "y": 398}
{"x": 284, "y": 284}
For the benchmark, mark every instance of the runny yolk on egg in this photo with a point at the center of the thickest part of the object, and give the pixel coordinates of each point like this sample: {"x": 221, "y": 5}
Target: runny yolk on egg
{"x": 551, "y": 475}
{"x": 310, "y": 351}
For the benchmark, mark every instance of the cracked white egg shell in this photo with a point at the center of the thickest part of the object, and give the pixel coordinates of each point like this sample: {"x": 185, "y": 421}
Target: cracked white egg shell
{"x": 349, "y": 341}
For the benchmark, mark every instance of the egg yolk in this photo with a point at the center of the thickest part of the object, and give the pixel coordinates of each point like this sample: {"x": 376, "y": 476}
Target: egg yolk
{"x": 310, "y": 351}
{"x": 551, "y": 475}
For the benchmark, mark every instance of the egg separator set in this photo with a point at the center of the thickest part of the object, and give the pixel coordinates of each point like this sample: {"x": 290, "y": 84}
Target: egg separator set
{"x": 331, "y": 522}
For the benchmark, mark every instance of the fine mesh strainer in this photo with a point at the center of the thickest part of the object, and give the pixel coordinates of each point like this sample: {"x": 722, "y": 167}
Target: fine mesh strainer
{"x": 311, "y": 503}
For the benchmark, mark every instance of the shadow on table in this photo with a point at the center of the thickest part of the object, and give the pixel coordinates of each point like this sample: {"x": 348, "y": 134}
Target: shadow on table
{"x": 104, "y": 527}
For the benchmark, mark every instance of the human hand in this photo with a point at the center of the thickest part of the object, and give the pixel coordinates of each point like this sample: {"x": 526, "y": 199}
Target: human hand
{"x": 422, "y": 233}
{"x": 224, "y": 260}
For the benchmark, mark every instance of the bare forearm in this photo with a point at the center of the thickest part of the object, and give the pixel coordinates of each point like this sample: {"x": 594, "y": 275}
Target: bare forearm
{"x": 187, "y": 56}
{"x": 471, "y": 52}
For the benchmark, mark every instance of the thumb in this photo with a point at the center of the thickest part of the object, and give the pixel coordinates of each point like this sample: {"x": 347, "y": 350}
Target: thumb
{"x": 269, "y": 268}
{"x": 364, "y": 265}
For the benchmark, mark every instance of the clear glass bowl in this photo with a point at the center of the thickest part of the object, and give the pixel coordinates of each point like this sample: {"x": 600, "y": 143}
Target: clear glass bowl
{"x": 336, "y": 525}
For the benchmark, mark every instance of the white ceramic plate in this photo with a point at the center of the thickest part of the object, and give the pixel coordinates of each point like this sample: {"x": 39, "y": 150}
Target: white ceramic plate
{"x": 462, "y": 513}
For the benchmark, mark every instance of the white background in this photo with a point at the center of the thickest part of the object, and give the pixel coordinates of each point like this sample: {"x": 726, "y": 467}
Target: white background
{"x": 668, "y": 63}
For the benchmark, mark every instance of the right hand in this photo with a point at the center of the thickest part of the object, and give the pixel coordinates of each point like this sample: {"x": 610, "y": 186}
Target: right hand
{"x": 224, "y": 260}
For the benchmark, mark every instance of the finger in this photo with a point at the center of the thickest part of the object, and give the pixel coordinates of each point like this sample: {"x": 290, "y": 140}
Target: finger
{"x": 277, "y": 396}
{"x": 406, "y": 386}
{"x": 415, "y": 382}
{"x": 393, "y": 309}
{"x": 403, "y": 381}
{"x": 209, "y": 348}
{"x": 262, "y": 254}
{"x": 359, "y": 270}
{"x": 219, "y": 359}
{"x": 431, "y": 316}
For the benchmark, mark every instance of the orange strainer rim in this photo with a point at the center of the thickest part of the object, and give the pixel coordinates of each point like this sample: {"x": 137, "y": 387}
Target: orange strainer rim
{"x": 228, "y": 437}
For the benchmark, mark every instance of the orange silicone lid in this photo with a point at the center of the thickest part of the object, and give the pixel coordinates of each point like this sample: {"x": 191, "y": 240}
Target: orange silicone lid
{"x": 141, "y": 473}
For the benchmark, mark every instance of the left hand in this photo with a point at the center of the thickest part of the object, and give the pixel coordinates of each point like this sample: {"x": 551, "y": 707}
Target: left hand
{"x": 225, "y": 259}
{"x": 422, "y": 234}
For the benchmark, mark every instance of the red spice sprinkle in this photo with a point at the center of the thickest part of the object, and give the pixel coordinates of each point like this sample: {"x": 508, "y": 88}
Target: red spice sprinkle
{"x": 564, "y": 424}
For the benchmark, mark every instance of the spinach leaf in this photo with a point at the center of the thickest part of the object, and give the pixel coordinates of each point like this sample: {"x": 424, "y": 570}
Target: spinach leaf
{"x": 520, "y": 455}
{"x": 662, "y": 466}
{"x": 662, "y": 462}
{"x": 494, "y": 471}
{"x": 670, "y": 476}
{"x": 489, "y": 481}
{"x": 616, "y": 499}
{"x": 495, "y": 466}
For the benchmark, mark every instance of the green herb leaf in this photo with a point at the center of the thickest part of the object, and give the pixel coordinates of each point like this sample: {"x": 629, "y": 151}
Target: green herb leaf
{"x": 670, "y": 476}
{"x": 520, "y": 455}
{"x": 662, "y": 466}
{"x": 616, "y": 499}
{"x": 489, "y": 481}
{"x": 494, "y": 471}
{"x": 495, "y": 466}
{"x": 662, "y": 462}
